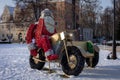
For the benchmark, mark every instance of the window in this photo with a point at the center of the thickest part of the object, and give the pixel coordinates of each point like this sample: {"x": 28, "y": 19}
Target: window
{"x": 2, "y": 27}
{"x": 4, "y": 17}
{"x": 55, "y": 23}
{"x": 3, "y": 35}
{"x": 77, "y": 17}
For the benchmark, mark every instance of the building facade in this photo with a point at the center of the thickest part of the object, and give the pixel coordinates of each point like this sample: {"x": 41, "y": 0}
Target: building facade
{"x": 9, "y": 30}
{"x": 88, "y": 34}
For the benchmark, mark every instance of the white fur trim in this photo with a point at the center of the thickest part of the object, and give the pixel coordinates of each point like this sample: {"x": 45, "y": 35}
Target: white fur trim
{"x": 33, "y": 40}
{"x": 42, "y": 16}
{"x": 31, "y": 46}
{"x": 49, "y": 52}
{"x": 36, "y": 22}
{"x": 46, "y": 12}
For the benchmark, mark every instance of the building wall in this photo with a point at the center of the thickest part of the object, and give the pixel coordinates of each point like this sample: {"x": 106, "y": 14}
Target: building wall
{"x": 64, "y": 16}
{"x": 3, "y": 31}
{"x": 8, "y": 26}
{"x": 88, "y": 34}
{"x": 6, "y": 16}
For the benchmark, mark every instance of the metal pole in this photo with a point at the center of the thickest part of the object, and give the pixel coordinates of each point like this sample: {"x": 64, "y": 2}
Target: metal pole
{"x": 46, "y": 4}
{"x": 73, "y": 9}
{"x": 114, "y": 41}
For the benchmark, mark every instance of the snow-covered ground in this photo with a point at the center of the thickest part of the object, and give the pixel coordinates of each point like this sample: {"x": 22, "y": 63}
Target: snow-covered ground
{"x": 14, "y": 65}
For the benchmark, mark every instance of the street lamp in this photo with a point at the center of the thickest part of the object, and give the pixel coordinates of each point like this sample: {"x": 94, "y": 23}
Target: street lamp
{"x": 9, "y": 35}
{"x": 114, "y": 41}
{"x": 74, "y": 16}
{"x": 113, "y": 56}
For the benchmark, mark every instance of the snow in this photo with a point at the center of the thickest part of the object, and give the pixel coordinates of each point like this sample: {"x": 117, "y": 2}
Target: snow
{"x": 14, "y": 65}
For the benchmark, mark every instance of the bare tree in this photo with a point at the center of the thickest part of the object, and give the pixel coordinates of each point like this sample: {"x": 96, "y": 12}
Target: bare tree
{"x": 88, "y": 12}
{"x": 107, "y": 22}
{"x": 117, "y": 8}
{"x": 30, "y": 7}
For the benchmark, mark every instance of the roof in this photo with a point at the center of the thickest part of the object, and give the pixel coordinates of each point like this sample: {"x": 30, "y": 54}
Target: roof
{"x": 11, "y": 9}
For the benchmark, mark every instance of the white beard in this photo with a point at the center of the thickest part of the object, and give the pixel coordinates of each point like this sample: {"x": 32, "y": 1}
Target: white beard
{"x": 49, "y": 23}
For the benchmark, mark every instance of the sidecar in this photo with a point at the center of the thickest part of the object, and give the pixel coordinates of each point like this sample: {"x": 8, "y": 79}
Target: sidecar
{"x": 88, "y": 50}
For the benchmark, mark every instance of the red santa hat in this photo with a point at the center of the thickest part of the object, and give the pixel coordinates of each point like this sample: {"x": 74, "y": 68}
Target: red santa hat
{"x": 46, "y": 12}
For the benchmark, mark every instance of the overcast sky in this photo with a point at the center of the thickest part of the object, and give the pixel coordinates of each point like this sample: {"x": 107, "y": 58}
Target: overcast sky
{"x": 5, "y": 2}
{"x": 11, "y": 3}
{"x": 106, "y": 3}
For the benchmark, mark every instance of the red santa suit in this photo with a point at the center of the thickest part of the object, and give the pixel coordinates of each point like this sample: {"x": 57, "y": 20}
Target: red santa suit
{"x": 41, "y": 33}
{"x": 30, "y": 39}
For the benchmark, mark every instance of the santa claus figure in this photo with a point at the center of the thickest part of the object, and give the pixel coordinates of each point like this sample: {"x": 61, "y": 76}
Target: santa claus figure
{"x": 38, "y": 35}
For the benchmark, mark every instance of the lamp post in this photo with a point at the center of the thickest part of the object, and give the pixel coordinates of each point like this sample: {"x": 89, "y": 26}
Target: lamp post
{"x": 9, "y": 35}
{"x": 46, "y": 3}
{"x": 74, "y": 16}
{"x": 114, "y": 41}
